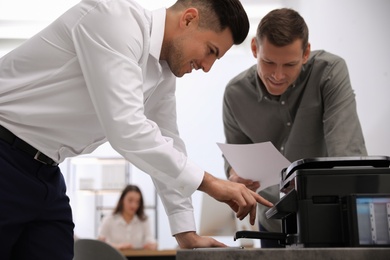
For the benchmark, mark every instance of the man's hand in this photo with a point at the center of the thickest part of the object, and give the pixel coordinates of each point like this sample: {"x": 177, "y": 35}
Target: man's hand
{"x": 242, "y": 200}
{"x": 252, "y": 185}
{"x": 191, "y": 240}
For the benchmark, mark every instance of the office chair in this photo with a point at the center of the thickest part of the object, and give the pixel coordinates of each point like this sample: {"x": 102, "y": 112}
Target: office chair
{"x": 92, "y": 249}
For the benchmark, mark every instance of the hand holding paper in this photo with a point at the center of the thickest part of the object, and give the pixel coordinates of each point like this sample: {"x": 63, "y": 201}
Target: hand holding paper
{"x": 258, "y": 162}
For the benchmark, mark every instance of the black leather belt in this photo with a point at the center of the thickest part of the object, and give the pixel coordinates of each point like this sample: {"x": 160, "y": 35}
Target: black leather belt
{"x": 18, "y": 143}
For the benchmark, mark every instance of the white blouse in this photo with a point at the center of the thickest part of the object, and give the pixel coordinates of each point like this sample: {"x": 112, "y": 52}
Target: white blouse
{"x": 115, "y": 230}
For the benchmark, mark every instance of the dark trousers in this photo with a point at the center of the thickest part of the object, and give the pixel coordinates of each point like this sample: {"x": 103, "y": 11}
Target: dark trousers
{"x": 35, "y": 215}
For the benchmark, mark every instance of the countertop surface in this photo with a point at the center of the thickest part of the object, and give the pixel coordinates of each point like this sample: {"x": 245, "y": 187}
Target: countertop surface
{"x": 284, "y": 253}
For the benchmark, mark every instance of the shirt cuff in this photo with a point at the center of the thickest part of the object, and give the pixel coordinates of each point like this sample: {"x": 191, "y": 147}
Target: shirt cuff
{"x": 189, "y": 179}
{"x": 182, "y": 222}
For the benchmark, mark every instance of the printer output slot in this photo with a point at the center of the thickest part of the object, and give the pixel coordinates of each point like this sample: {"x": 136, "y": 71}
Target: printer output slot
{"x": 281, "y": 237}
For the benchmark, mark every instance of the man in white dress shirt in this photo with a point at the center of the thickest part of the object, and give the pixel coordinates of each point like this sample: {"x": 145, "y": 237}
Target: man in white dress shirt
{"x": 105, "y": 71}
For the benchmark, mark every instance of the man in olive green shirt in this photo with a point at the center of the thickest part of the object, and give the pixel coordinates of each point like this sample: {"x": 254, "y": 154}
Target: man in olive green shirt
{"x": 300, "y": 100}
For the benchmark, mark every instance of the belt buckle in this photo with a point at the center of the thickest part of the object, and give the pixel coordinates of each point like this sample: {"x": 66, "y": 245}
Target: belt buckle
{"x": 50, "y": 161}
{"x": 36, "y": 157}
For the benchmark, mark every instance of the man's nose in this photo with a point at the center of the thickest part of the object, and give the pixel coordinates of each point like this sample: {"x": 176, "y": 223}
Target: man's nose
{"x": 278, "y": 73}
{"x": 207, "y": 64}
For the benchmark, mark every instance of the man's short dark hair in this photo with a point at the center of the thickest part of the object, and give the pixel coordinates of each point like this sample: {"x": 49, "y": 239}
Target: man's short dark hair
{"x": 218, "y": 15}
{"x": 283, "y": 26}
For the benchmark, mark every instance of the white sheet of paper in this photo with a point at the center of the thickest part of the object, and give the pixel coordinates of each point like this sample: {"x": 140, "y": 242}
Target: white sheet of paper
{"x": 259, "y": 162}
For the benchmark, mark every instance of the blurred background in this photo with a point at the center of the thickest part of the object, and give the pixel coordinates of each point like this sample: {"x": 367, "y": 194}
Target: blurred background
{"x": 357, "y": 30}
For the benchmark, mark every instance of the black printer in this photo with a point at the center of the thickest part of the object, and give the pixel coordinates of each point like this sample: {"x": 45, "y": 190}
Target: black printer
{"x": 332, "y": 202}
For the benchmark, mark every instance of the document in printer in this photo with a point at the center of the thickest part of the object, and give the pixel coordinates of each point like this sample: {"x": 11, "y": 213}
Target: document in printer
{"x": 259, "y": 162}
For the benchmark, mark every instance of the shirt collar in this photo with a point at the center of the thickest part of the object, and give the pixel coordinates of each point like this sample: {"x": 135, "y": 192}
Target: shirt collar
{"x": 157, "y": 32}
{"x": 260, "y": 88}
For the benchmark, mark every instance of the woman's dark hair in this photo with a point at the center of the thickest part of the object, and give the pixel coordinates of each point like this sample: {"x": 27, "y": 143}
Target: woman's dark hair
{"x": 119, "y": 206}
{"x": 218, "y": 15}
{"x": 283, "y": 26}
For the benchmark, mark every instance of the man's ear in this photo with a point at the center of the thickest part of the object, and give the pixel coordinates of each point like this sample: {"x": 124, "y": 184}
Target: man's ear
{"x": 306, "y": 53}
{"x": 254, "y": 47}
{"x": 189, "y": 17}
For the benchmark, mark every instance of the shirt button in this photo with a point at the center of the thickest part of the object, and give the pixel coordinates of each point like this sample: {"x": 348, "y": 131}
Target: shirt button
{"x": 283, "y": 103}
{"x": 288, "y": 124}
{"x": 282, "y": 148}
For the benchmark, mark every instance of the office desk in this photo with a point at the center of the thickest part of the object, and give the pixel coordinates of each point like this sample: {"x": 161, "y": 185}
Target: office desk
{"x": 284, "y": 254}
{"x": 150, "y": 254}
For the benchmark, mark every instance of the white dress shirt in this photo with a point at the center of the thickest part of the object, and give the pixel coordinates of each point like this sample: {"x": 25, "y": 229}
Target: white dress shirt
{"x": 115, "y": 230}
{"x": 92, "y": 76}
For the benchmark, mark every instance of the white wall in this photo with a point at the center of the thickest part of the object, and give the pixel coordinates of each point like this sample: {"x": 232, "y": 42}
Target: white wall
{"x": 354, "y": 29}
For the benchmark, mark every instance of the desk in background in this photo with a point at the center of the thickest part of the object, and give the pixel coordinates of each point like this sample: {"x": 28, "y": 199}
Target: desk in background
{"x": 150, "y": 254}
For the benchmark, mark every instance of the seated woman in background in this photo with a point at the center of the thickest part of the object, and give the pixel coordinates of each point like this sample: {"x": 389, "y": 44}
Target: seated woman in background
{"x": 128, "y": 227}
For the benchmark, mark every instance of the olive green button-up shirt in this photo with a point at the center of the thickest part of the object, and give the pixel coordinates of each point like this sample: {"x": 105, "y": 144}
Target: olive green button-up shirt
{"x": 315, "y": 117}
